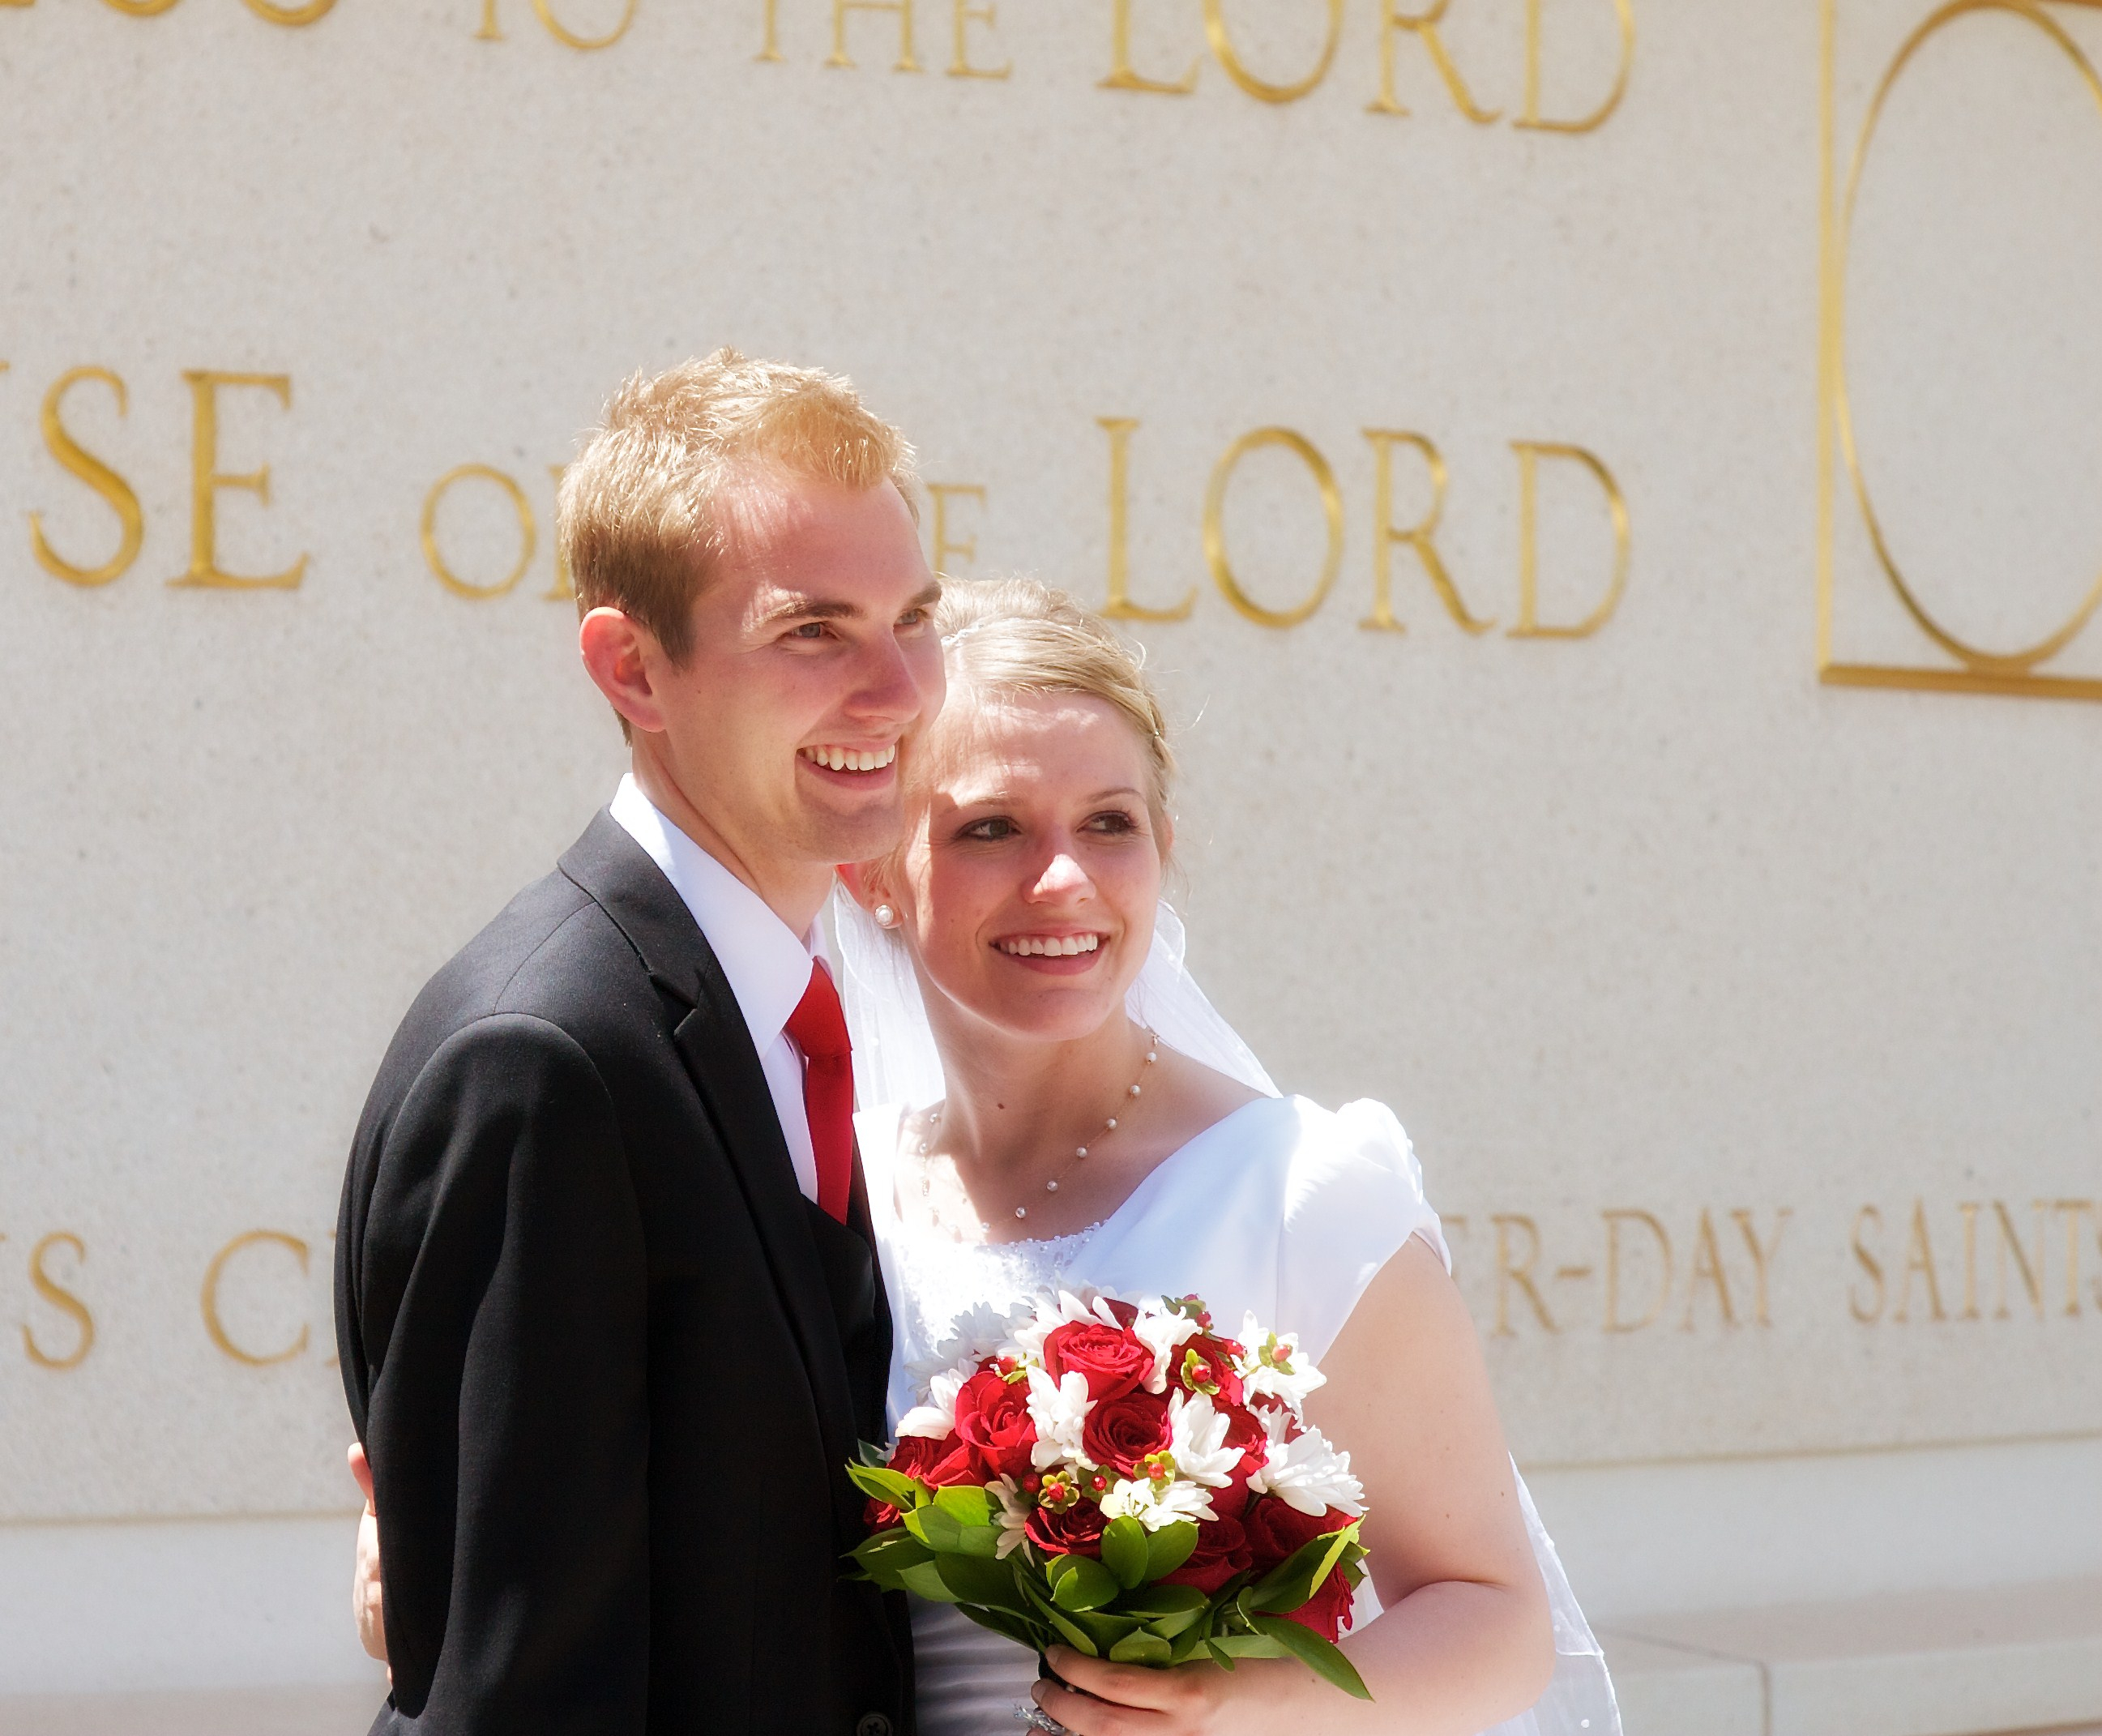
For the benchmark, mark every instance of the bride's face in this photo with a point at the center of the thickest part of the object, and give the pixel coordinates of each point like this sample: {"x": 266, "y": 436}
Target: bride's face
{"x": 1029, "y": 877}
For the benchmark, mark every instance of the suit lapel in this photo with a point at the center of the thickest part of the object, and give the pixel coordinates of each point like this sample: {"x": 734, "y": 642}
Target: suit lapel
{"x": 709, "y": 1032}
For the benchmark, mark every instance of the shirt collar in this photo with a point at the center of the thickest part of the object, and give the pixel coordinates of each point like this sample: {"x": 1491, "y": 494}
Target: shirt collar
{"x": 768, "y": 968}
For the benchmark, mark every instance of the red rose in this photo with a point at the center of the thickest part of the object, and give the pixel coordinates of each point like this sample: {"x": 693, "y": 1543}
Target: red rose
{"x": 1275, "y": 1531}
{"x": 1328, "y": 1611}
{"x": 1121, "y": 1431}
{"x": 1206, "y": 1365}
{"x": 937, "y": 1464}
{"x": 1221, "y": 1551}
{"x": 1113, "y": 1359}
{"x": 1076, "y": 1531}
{"x": 992, "y": 1417}
{"x": 1243, "y": 1430}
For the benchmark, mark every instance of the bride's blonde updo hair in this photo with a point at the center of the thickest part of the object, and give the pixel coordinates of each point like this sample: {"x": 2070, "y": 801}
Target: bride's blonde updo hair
{"x": 1020, "y": 636}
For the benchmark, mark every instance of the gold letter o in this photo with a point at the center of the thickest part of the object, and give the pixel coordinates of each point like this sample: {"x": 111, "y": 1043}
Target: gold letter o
{"x": 1215, "y": 533}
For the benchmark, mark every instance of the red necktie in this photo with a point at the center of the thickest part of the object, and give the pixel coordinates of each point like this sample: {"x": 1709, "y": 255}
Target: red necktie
{"x": 819, "y": 1029}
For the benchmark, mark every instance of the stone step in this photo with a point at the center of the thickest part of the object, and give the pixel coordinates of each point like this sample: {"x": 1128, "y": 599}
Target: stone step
{"x": 1922, "y": 1663}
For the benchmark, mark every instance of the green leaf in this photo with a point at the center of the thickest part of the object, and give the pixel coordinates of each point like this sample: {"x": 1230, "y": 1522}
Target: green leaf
{"x": 981, "y": 1541}
{"x": 1058, "y": 1568}
{"x": 1074, "y": 1636}
{"x": 1169, "y": 1547}
{"x": 967, "y": 1503}
{"x": 1186, "y": 1646}
{"x": 938, "y": 1530}
{"x": 1220, "y": 1655}
{"x": 1168, "y": 1626}
{"x": 1017, "y": 1628}
{"x": 893, "y": 1488}
{"x": 924, "y": 1580}
{"x": 1142, "y": 1647}
{"x": 975, "y": 1580}
{"x": 1086, "y": 1585}
{"x": 1104, "y": 1628}
{"x": 1246, "y": 1645}
{"x": 1162, "y": 1600}
{"x": 868, "y": 1453}
{"x": 1316, "y": 1653}
{"x": 1299, "y": 1576}
{"x": 1126, "y": 1552}
{"x": 887, "y": 1554}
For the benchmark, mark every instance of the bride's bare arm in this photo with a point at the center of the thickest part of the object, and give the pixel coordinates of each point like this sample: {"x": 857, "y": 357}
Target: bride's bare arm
{"x": 1466, "y": 1641}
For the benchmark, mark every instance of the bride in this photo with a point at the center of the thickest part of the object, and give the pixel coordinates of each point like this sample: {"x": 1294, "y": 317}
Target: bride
{"x": 1059, "y": 1106}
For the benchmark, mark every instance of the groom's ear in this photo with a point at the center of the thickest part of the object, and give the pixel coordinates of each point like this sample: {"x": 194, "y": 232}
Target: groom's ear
{"x": 615, "y": 651}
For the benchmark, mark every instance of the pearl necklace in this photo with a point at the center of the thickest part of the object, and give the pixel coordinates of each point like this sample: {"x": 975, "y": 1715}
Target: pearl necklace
{"x": 925, "y": 1146}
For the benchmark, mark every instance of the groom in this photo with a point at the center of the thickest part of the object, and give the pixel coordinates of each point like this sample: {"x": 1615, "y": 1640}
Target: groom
{"x": 606, "y": 1299}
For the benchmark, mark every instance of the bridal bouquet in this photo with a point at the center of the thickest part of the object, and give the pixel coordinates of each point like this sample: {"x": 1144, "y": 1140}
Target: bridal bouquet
{"x": 1123, "y": 1479}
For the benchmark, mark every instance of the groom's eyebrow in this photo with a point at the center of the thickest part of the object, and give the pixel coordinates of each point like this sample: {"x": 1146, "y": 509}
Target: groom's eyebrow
{"x": 800, "y": 607}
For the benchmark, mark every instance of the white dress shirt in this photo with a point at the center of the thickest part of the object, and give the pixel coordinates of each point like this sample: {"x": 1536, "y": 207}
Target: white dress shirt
{"x": 767, "y": 967}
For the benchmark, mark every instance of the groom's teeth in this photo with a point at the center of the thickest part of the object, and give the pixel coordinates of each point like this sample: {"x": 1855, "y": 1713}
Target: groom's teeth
{"x": 1036, "y": 946}
{"x": 852, "y": 759}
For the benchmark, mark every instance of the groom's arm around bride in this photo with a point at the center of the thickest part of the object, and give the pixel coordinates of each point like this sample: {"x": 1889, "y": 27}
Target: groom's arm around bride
{"x": 605, "y": 1355}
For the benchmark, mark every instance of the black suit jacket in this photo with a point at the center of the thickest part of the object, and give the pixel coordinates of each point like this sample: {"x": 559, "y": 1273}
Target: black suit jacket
{"x": 607, "y": 1361}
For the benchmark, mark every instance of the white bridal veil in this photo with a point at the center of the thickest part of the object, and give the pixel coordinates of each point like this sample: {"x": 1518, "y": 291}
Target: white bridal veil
{"x": 895, "y": 1061}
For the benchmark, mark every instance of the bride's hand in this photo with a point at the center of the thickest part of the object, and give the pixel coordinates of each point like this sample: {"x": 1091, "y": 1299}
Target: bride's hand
{"x": 1194, "y": 1700}
{"x": 365, "y": 1581}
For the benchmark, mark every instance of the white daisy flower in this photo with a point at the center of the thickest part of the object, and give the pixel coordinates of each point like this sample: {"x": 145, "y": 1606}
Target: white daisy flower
{"x": 1275, "y": 1366}
{"x": 936, "y": 1420}
{"x": 1015, "y": 1508}
{"x": 1059, "y": 1409}
{"x": 1308, "y": 1475}
{"x": 1163, "y": 1332}
{"x": 1198, "y": 1437}
{"x": 985, "y": 1331}
{"x": 1155, "y": 1508}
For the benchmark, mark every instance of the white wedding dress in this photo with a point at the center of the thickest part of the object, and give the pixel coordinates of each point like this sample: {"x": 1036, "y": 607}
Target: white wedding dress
{"x": 1282, "y": 1210}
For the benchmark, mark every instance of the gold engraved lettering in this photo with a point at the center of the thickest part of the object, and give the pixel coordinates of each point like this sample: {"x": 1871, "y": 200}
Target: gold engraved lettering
{"x": 940, "y": 493}
{"x": 1969, "y": 1208}
{"x": 1919, "y": 1257}
{"x": 1222, "y": 47}
{"x": 903, "y": 8}
{"x": 1869, "y": 1264}
{"x": 113, "y": 489}
{"x": 564, "y": 589}
{"x": 968, "y": 15}
{"x": 1215, "y": 533}
{"x": 1599, "y": 116}
{"x": 291, "y": 16}
{"x": 208, "y": 1298}
{"x": 206, "y": 481}
{"x": 2073, "y": 1209}
{"x": 1983, "y": 670}
{"x": 772, "y": 51}
{"x": 1385, "y": 535}
{"x": 569, "y": 38}
{"x": 490, "y": 31}
{"x": 1707, "y": 1267}
{"x": 1123, "y": 78}
{"x": 2008, "y": 1243}
{"x": 528, "y": 534}
{"x": 1530, "y": 452}
{"x": 63, "y": 1300}
{"x": 1763, "y": 1258}
{"x": 140, "y": 8}
{"x": 1520, "y": 1273}
{"x": 1119, "y": 607}
{"x": 1424, "y": 26}
{"x": 1614, "y": 1220}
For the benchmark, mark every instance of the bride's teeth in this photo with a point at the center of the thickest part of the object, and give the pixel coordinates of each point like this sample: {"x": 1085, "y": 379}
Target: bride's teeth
{"x": 839, "y": 759}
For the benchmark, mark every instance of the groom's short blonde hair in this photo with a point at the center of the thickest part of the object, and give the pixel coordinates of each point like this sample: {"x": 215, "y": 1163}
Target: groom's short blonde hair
{"x": 637, "y": 522}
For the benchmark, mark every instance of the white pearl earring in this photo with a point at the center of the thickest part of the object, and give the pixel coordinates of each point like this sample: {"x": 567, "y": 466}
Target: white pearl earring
{"x": 885, "y": 917}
